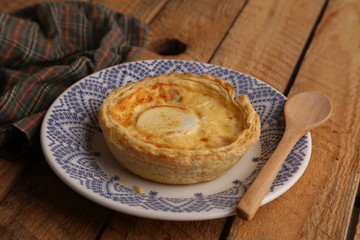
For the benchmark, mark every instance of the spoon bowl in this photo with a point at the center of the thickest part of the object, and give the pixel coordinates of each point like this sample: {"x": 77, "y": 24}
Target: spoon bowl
{"x": 307, "y": 110}
{"x": 303, "y": 112}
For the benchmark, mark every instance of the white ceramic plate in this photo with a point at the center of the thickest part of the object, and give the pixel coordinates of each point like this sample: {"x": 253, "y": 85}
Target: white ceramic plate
{"x": 75, "y": 149}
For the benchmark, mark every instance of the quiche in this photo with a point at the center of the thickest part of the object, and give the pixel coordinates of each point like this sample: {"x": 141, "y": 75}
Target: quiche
{"x": 178, "y": 128}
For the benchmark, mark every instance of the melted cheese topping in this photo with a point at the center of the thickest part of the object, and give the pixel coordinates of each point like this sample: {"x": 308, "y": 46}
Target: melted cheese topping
{"x": 178, "y": 115}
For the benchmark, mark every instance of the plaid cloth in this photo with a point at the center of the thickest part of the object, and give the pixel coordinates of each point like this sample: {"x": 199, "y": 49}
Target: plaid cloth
{"x": 47, "y": 47}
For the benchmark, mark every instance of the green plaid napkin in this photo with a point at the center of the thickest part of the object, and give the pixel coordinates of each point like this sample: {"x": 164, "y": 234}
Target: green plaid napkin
{"x": 47, "y": 47}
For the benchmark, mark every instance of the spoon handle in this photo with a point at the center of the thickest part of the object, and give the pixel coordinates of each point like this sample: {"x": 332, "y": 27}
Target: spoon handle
{"x": 257, "y": 191}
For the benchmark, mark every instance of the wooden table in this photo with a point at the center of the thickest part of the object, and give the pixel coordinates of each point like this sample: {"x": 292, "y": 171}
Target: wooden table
{"x": 293, "y": 45}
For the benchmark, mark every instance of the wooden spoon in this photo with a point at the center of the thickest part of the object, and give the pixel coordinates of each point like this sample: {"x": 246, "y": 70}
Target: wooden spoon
{"x": 303, "y": 112}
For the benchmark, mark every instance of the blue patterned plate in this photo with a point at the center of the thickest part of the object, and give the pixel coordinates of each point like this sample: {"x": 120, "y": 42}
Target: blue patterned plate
{"x": 75, "y": 149}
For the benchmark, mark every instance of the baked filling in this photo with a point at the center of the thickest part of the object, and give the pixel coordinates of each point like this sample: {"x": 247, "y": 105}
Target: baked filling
{"x": 178, "y": 128}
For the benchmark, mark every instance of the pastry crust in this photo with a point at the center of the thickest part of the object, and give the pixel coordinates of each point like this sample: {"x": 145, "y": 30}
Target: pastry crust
{"x": 178, "y": 128}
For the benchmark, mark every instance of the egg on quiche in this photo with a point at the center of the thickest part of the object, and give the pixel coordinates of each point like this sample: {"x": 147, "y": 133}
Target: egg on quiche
{"x": 178, "y": 128}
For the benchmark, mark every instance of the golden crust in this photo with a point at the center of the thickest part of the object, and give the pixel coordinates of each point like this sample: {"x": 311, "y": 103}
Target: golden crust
{"x": 193, "y": 141}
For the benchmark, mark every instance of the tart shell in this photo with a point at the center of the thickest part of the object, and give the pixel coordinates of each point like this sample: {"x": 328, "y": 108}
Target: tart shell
{"x": 174, "y": 165}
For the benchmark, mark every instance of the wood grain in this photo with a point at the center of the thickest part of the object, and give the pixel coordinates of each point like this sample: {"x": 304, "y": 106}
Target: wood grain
{"x": 357, "y": 229}
{"x": 333, "y": 67}
{"x": 268, "y": 38}
{"x": 200, "y": 25}
{"x": 319, "y": 206}
{"x": 10, "y": 172}
{"x": 143, "y": 9}
{"x": 41, "y": 206}
{"x": 129, "y": 227}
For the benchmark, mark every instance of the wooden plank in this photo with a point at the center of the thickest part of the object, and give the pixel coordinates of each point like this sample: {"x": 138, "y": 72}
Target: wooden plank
{"x": 10, "y": 172}
{"x": 353, "y": 229}
{"x": 333, "y": 67}
{"x": 319, "y": 206}
{"x": 199, "y": 25}
{"x": 357, "y": 230}
{"x": 41, "y": 206}
{"x": 268, "y": 38}
{"x": 143, "y": 9}
{"x": 129, "y": 227}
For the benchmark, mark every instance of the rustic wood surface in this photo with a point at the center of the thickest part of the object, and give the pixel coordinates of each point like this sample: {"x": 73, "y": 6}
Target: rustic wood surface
{"x": 293, "y": 45}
